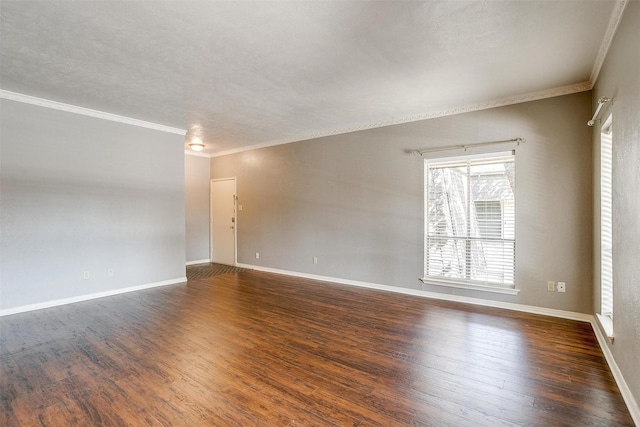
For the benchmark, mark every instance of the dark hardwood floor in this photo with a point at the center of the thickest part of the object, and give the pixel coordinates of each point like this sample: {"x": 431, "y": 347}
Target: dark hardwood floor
{"x": 257, "y": 349}
{"x": 208, "y": 269}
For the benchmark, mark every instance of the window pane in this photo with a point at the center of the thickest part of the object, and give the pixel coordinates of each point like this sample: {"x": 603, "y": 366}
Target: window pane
{"x": 446, "y": 257}
{"x": 447, "y": 201}
{"x": 493, "y": 261}
{"x": 470, "y": 220}
{"x": 606, "y": 217}
{"x": 488, "y": 218}
{"x": 480, "y": 261}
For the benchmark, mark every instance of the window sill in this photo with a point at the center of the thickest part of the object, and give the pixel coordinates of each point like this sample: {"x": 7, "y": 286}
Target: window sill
{"x": 470, "y": 286}
{"x": 607, "y": 325}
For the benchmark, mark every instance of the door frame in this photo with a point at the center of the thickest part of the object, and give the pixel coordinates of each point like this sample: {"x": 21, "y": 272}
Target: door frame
{"x": 235, "y": 215}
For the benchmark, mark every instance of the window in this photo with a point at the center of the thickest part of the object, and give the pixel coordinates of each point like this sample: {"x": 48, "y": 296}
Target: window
{"x": 470, "y": 221}
{"x": 606, "y": 234}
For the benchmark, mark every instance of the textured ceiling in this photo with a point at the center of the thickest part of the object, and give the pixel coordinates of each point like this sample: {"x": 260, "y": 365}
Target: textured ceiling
{"x": 257, "y": 73}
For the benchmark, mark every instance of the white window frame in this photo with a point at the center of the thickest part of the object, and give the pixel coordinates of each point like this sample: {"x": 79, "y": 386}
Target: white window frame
{"x": 605, "y": 314}
{"x": 461, "y": 283}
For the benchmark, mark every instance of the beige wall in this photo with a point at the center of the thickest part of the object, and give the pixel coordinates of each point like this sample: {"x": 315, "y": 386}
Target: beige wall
{"x": 197, "y": 180}
{"x": 85, "y": 194}
{"x": 620, "y": 80}
{"x": 355, "y": 201}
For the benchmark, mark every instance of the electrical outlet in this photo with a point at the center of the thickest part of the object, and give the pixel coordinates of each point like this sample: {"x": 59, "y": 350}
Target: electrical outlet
{"x": 110, "y": 272}
{"x": 315, "y": 259}
{"x": 551, "y": 286}
{"x": 85, "y": 275}
{"x": 562, "y": 287}
{"x": 257, "y": 255}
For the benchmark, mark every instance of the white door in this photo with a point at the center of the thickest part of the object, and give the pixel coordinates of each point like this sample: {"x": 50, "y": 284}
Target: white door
{"x": 223, "y": 221}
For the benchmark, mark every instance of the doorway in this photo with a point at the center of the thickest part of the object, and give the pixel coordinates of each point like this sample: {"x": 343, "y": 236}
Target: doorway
{"x": 223, "y": 221}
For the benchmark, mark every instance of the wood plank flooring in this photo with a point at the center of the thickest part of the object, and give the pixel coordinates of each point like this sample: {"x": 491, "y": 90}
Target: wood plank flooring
{"x": 258, "y": 349}
{"x": 201, "y": 271}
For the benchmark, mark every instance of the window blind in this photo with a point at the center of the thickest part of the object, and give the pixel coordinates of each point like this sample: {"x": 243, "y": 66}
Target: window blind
{"x": 606, "y": 234}
{"x": 470, "y": 220}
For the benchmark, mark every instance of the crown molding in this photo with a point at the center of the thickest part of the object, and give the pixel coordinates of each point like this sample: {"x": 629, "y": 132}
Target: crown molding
{"x": 196, "y": 154}
{"x": 477, "y": 106}
{"x": 616, "y": 17}
{"x": 508, "y": 100}
{"x": 27, "y": 99}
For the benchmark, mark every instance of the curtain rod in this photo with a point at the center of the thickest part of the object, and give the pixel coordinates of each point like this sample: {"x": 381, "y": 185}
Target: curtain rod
{"x": 465, "y": 147}
{"x": 601, "y": 102}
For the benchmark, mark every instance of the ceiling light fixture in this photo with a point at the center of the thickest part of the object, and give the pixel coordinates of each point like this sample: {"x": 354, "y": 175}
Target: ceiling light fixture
{"x": 196, "y": 144}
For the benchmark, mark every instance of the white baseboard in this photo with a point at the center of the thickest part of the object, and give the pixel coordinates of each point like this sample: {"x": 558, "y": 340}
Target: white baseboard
{"x": 63, "y": 301}
{"x": 200, "y": 261}
{"x": 433, "y": 295}
{"x": 632, "y": 404}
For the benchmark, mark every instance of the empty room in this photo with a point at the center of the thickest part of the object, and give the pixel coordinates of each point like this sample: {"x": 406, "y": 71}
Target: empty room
{"x": 320, "y": 213}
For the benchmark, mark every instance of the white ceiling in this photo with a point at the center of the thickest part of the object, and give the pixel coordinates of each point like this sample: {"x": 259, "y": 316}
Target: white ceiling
{"x": 244, "y": 74}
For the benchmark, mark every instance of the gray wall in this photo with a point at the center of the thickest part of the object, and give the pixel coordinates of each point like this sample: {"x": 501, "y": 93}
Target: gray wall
{"x": 620, "y": 79}
{"x": 355, "y": 200}
{"x": 85, "y": 194}
{"x": 197, "y": 207}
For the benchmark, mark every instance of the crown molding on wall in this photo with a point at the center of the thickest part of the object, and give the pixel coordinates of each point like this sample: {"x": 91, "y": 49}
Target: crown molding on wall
{"x": 614, "y": 21}
{"x": 616, "y": 16}
{"x": 27, "y": 99}
{"x": 516, "y": 99}
{"x": 196, "y": 153}
{"x": 484, "y": 105}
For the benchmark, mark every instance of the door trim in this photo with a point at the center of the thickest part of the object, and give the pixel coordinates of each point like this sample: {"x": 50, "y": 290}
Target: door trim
{"x": 235, "y": 214}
